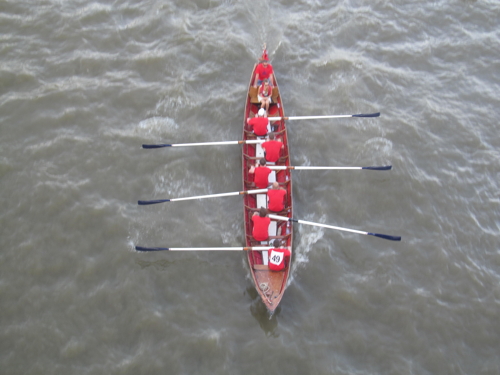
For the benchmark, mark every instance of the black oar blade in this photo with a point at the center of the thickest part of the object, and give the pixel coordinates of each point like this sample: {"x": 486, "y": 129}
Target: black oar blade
{"x": 140, "y": 248}
{"x": 368, "y": 115}
{"x": 145, "y": 203}
{"x": 382, "y": 168}
{"x": 156, "y": 146}
{"x": 386, "y": 236}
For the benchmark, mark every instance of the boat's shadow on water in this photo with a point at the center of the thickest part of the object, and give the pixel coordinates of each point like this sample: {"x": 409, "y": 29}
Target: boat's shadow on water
{"x": 268, "y": 323}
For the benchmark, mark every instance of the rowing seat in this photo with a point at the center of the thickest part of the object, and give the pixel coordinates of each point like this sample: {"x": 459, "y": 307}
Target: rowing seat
{"x": 261, "y": 200}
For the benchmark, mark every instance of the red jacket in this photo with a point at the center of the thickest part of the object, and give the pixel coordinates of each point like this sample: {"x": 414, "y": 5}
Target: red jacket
{"x": 273, "y": 149}
{"x": 264, "y": 73}
{"x": 261, "y": 177}
{"x": 277, "y": 259}
{"x": 276, "y": 199}
{"x": 259, "y": 125}
{"x": 260, "y": 231}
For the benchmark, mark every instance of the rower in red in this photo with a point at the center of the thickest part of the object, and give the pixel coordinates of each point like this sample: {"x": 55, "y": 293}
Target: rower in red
{"x": 261, "y": 221}
{"x": 260, "y": 123}
{"x": 278, "y": 256}
{"x": 261, "y": 174}
{"x": 263, "y": 71}
{"x": 276, "y": 198}
{"x": 273, "y": 148}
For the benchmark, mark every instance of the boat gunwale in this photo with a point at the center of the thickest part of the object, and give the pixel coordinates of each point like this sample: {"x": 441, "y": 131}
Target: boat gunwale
{"x": 285, "y": 175}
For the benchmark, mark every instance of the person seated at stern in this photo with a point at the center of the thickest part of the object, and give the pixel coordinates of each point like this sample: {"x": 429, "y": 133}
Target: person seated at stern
{"x": 263, "y": 71}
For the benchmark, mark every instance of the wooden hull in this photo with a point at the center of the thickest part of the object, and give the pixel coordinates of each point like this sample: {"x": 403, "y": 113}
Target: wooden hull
{"x": 269, "y": 284}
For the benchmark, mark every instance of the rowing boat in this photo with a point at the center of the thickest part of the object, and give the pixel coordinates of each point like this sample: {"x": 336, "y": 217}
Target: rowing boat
{"x": 269, "y": 284}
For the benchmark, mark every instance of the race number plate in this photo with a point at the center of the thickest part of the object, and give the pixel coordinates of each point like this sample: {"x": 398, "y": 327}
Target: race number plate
{"x": 276, "y": 257}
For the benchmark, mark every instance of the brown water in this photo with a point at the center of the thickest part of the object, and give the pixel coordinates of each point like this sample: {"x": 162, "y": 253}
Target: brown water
{"x": 83, "y": 84}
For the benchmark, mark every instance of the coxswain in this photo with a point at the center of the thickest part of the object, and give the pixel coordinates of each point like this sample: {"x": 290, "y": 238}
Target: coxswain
{"x": 261, "y": 221}
{"x": 263, "y": 71}
{"x": 276, "y": 198}
{"x": 261, "y": 174}
{"x": 259, "y": 123}
{"x": 273, "y": 148}
{"x": 278, "y": 256}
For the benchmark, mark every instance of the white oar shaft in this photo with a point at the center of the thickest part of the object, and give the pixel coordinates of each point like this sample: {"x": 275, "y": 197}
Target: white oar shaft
{"x": 205, "y": 144}
{"x": 253, "y": 141}
{"x": 307, "y": 117}
{"x": 330, "y": 227}
{"x": 253, "y": 248}
{"x": 205, "y": 196}
{"x": 317, "y": 168}
{"x": 256, "y": 248}
{"x": 257, "y": 191}
{"x": 284, "y": 218}
{"x": 320, "y": 117}
{"x": 305, "y": 168}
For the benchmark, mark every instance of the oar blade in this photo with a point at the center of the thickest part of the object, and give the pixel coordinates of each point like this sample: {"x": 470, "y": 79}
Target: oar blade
{"x": 385, "y": 236}
{"x": 141, "y": 248}
{"x": 368, "y": 115}
{"x": 145, "y": 203}
{"x": 382, "y": 168}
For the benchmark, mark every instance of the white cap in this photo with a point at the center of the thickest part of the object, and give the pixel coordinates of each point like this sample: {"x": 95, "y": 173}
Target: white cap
{"x": 261, "y": 112}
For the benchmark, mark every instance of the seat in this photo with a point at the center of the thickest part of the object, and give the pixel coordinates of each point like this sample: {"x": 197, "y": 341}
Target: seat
{"x": 253, "y": 94}
{"x": 275, "y": 94}
{"x": 262, "y": 267}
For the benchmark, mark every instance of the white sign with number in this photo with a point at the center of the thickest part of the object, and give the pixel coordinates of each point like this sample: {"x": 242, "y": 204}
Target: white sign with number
{"x": 276, "y": 257}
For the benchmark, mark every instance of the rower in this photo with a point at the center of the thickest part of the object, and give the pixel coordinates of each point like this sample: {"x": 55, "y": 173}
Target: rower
{"x": 261, "y": 174}
{"x": 276, "y": 198}
{"x": 278, "y": 256}
{"x": 272, "y": 148}
{"x": 261, "y": 221}
{"x": 263, "y": 228}
{"x": 260, "y": 123}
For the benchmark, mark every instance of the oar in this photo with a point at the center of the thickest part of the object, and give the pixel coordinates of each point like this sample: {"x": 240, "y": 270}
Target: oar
{"x": 253, "y": 141}
{"x": 257, "y": 248}
{"x": 257, "y": 191}
{"x": 384, "y": 236}
{"x": 305, "y": 168}
{"x": 322, "y": 117}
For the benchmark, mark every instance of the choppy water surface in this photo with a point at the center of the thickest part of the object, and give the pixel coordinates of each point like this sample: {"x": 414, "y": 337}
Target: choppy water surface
{"x": 84, "y": 83}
